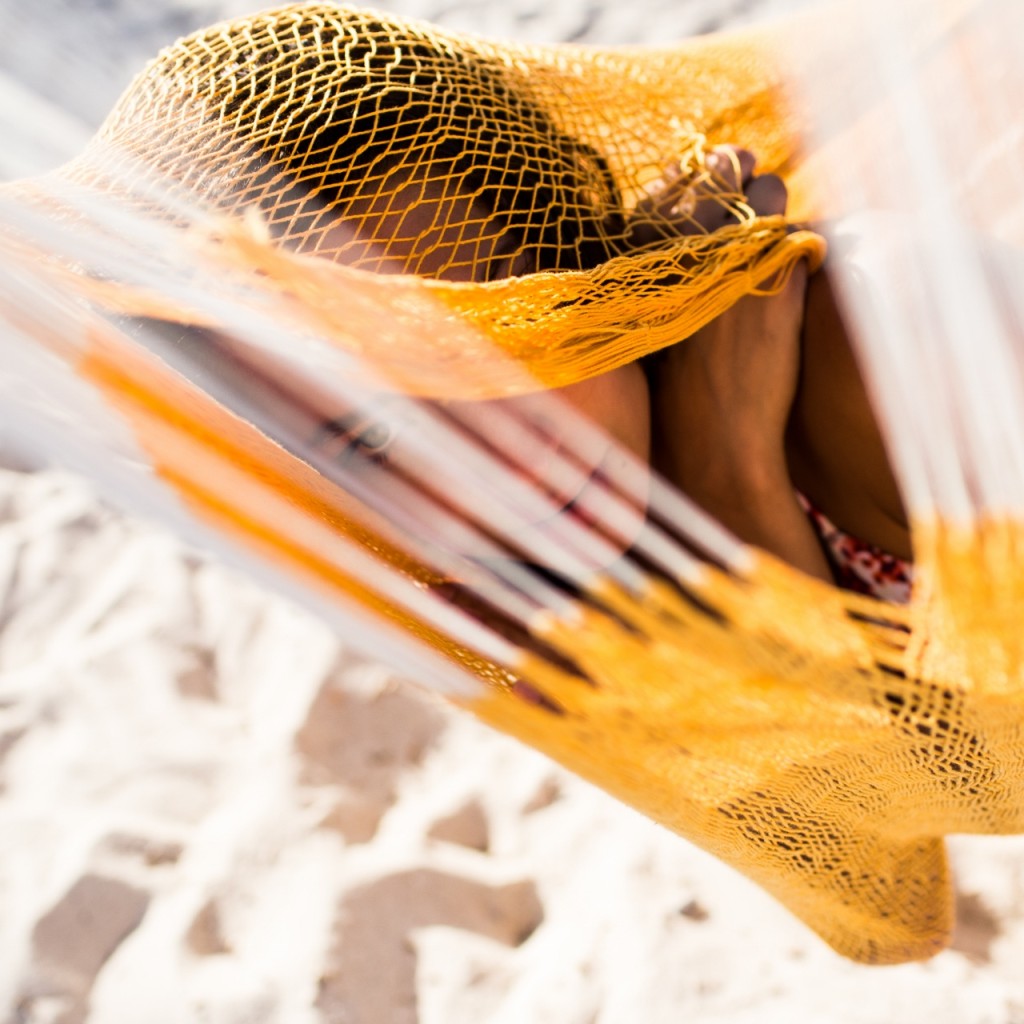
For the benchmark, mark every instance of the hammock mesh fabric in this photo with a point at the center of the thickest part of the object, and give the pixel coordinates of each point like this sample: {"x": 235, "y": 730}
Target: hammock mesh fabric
{"x": 815, "y": 740}
{"x": 330, "y": 123}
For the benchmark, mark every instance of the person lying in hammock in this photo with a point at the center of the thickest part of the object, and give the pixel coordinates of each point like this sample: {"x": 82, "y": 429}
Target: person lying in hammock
{"x": 772, "y": 389}
{"x": 790, "y": 730}
{"x": 760, "y": 416}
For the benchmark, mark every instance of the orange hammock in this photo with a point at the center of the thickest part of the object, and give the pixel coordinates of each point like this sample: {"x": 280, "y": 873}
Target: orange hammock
{"x": 821, "y": 742}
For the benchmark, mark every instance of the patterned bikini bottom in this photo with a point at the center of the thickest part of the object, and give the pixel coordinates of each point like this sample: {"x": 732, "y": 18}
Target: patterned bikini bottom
{"x": 858, "y": 565}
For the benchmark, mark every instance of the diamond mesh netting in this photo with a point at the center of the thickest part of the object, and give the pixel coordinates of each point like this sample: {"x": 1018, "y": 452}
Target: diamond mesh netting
{"x": 821, "y": 742}
{"x": 330, "y": 123}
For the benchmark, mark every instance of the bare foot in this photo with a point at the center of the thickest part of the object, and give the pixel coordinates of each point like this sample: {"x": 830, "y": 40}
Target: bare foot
{"x": 721, "y": 402}
{"x": 726, "y": 192}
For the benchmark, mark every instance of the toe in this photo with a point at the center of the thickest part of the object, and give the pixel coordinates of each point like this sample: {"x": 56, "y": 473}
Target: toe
{"x": 767, "y": 195}
{"x": 730, "y": 167}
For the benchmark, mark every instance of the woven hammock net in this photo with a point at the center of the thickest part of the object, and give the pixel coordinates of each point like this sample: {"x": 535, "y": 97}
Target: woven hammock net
{"x": 821, "y": 742}
{"x": 330, "y": 123}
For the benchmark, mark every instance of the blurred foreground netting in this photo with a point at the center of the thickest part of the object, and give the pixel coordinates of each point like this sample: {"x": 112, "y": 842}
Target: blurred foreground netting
{"x": 169, "y": 329}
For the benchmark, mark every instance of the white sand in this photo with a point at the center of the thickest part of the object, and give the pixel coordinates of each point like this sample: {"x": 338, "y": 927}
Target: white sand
{"x": 211, "y": 812}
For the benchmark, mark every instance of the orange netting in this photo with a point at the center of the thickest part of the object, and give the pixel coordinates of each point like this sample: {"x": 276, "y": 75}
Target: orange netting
{"x": 820, "y": 742}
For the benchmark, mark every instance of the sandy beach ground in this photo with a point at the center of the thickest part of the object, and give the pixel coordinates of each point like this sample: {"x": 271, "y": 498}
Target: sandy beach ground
{"x": 212, "y": 812}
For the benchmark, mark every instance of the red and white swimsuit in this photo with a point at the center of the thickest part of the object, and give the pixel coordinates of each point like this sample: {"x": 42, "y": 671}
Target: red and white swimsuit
{"x": 858, "y": 565}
